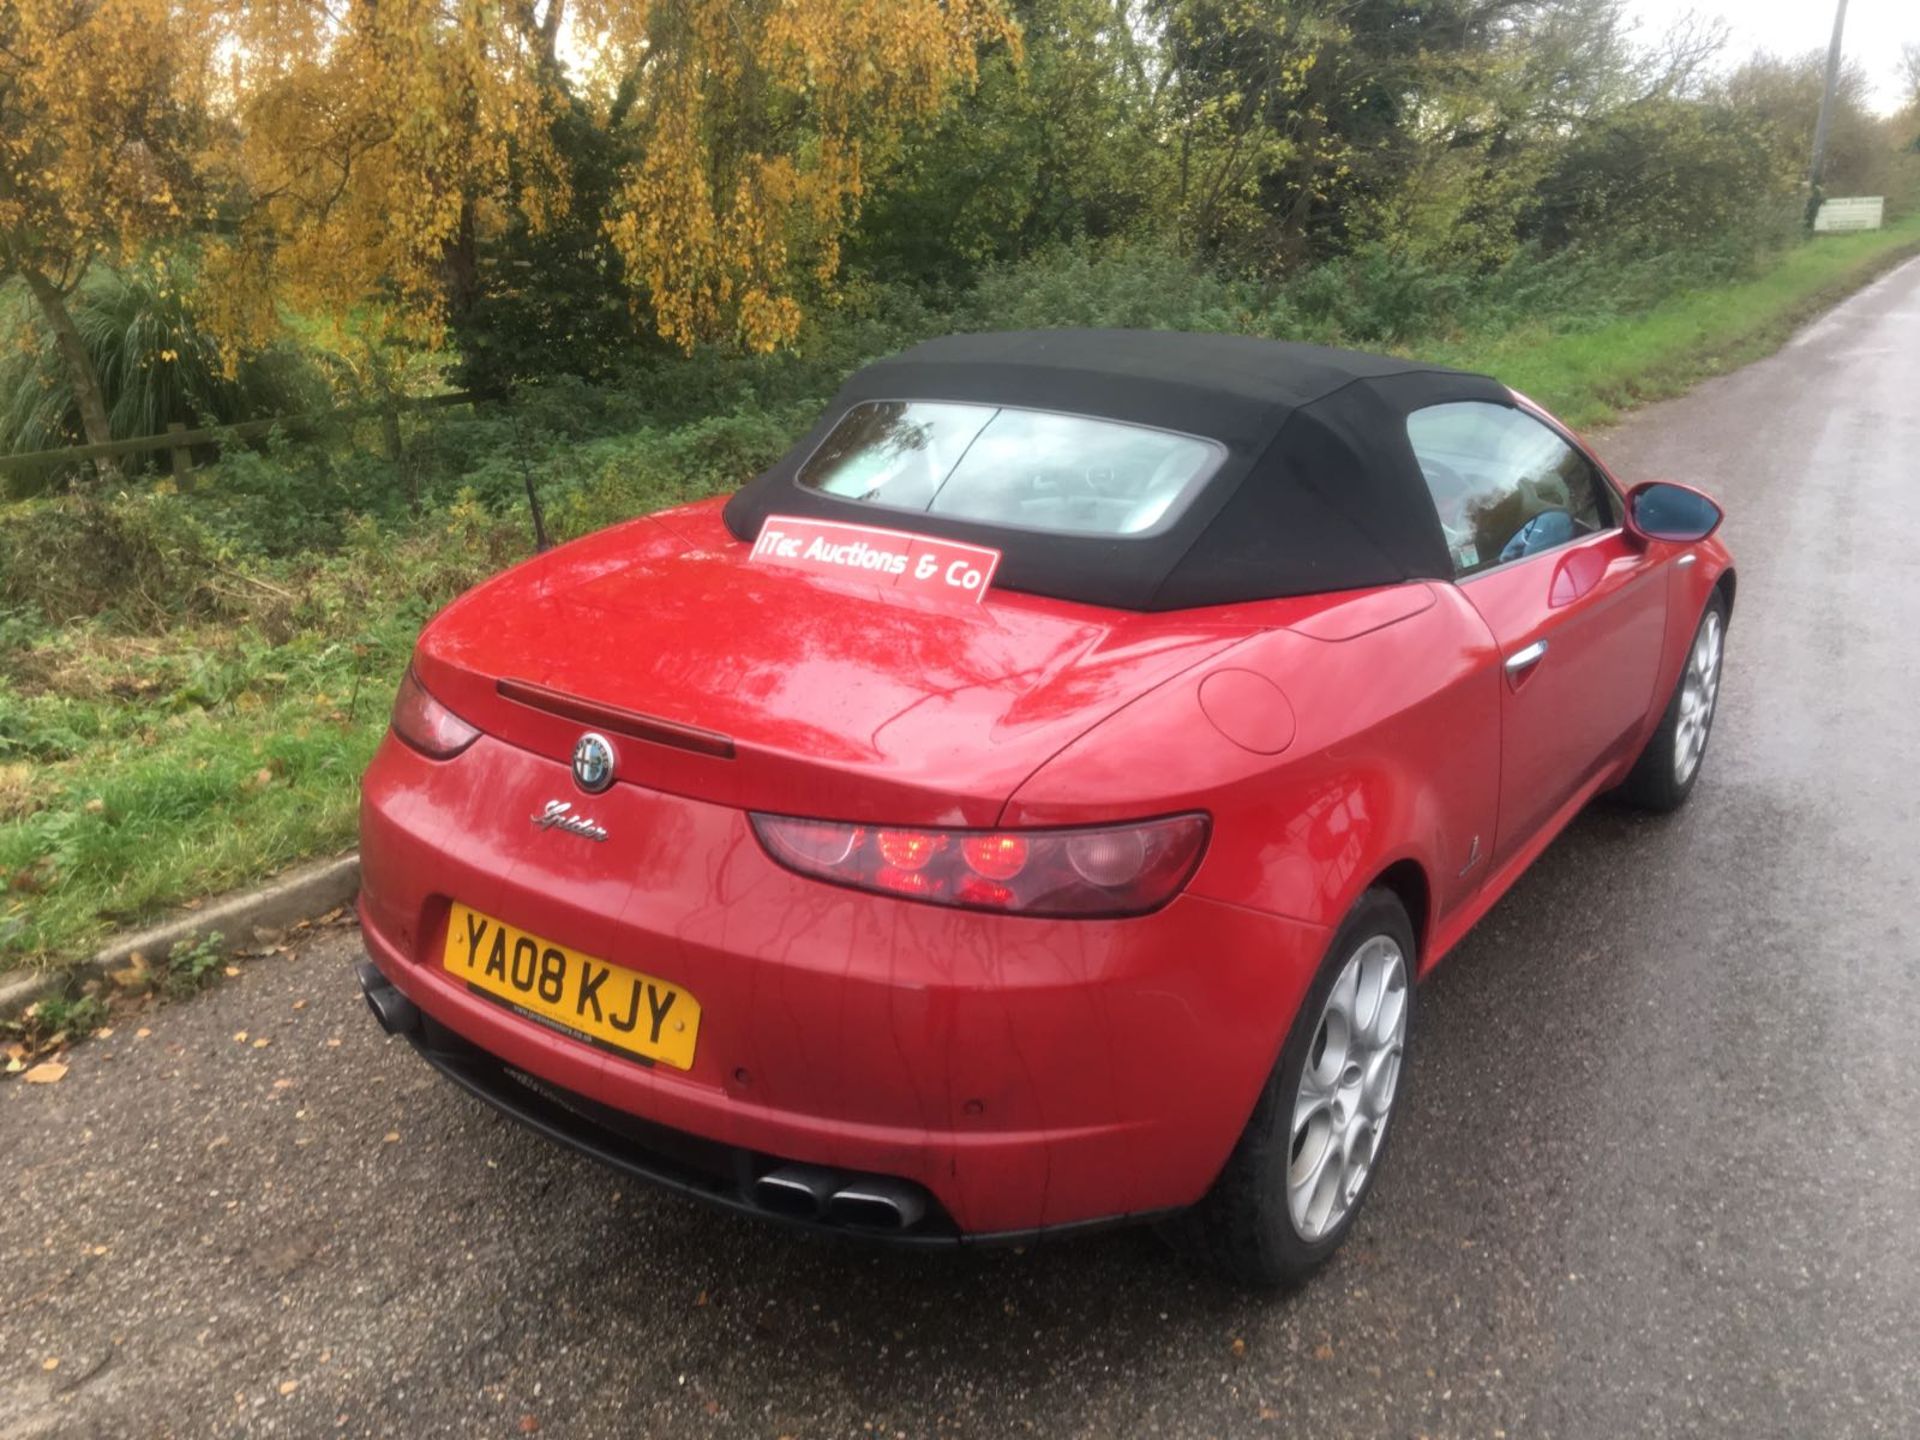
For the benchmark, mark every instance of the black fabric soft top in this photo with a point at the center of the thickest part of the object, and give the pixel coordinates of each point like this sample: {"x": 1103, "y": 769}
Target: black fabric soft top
{"x": 1319, "y": 489}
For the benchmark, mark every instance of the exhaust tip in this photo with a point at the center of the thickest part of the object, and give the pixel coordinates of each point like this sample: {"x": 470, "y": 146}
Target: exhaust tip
{"x": 397, "y": 1014}
{"x": 877, "y": 1204}
{"x": 797, "y": 1191}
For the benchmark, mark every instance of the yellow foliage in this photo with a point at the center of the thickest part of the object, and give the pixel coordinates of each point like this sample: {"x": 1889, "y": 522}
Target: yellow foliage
{"x": 100, "y": 103}
{"x": 365, "y": 134}
{"x": 376, "y": 136}
{"x": 714, "y": 220}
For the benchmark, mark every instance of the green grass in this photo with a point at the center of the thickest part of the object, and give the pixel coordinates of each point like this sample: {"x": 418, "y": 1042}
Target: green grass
{"x": 1588, "y": 376}
{"x": 150, "y": 788}
{"x": 139, "y": 770}
{"x": 209, "y": 723}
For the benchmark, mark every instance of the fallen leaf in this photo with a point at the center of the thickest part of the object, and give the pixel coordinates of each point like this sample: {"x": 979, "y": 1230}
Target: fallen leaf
{"x": 105, "y": 1032}
{"x": 36, "y": 878}
{"x": 95, "y": 806}
{"x": 1267, "y": 1412}
{"x": 299, "y": 1004}
{"x": 45, "y": 1073}
{"x": 239, "y": 1037}
{"x": 1239, "y": 1346}
{"x": 262, "y": 1043}
{"x": 282, "y": 1083}
{"x": 333, "y": 1042}
{"x": 99, "y": 1250}
{"x": 287, "y": 1387}
{"x": 528, "y": 1425}
{"x": 136, "y": 974}
{"x": 52, "y": 1362}
{"x": 142, "y": 1033}
{"x": 392, "y": 1137}
{"x": 231, "y": 971}
{"x": 1323, "y": 1351}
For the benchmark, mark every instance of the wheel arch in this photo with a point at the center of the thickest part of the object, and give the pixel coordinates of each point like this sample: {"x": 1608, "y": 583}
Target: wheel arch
{"x": 1407, "y": 880}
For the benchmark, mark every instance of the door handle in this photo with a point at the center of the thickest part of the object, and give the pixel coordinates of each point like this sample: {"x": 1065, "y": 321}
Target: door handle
{"x": 1521, "y": 662}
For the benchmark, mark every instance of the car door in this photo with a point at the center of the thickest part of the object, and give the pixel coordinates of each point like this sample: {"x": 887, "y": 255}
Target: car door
{"x": 1575, "y": 607}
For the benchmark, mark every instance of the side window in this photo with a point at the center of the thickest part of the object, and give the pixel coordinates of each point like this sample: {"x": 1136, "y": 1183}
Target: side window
{"x": 1505, "y": 485}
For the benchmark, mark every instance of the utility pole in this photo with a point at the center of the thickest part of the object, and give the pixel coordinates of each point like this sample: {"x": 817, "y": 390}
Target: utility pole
{"x": 1826, "y": 111}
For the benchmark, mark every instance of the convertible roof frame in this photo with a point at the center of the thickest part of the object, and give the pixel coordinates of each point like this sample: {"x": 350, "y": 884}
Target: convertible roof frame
{"x": 1319, "y": 490}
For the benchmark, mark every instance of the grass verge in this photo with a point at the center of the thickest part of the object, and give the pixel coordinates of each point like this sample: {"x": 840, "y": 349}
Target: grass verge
{"x": 140, "y": 770}
{"x": 1588, "y": 377}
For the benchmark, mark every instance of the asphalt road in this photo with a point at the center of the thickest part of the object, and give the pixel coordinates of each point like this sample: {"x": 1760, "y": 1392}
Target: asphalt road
{"x": 1658, "y": 1172}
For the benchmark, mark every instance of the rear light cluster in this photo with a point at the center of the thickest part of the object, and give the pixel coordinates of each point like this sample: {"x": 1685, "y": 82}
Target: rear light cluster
{"x": 1110, "y": 871}
{"x": 427, "y": 725}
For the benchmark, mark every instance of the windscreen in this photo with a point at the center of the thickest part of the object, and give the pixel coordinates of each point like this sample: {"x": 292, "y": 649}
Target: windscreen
{"x": 1029, "y": 469}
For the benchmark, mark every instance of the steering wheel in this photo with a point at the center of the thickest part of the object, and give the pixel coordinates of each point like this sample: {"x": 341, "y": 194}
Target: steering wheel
{"x": 1541, "y": 532}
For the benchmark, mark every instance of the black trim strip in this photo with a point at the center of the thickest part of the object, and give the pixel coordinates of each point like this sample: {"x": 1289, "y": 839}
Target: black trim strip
{"x": 630, "y": 723}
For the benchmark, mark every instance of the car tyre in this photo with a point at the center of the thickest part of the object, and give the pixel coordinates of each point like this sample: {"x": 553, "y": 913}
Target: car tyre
{"x": 1664, "y": 775}
{"x": 1277, "y": 1213}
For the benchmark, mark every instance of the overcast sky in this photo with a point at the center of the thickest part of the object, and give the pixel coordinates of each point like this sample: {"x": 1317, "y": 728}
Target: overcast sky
{"x": 1876, "y": 29}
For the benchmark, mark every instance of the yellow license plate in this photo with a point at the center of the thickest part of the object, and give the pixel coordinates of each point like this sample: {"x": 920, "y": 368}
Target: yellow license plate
{"x": 605, "y": 1005}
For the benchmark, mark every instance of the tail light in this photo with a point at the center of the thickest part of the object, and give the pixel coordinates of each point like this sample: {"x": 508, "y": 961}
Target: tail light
{"x": 427, "y": 725}
{"x": 1109, "y": 871}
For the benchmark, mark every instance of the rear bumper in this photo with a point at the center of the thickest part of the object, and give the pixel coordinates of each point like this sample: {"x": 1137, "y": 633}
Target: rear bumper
{"x": 1027, "y": 1075}
{"x": 723, "y": 1176}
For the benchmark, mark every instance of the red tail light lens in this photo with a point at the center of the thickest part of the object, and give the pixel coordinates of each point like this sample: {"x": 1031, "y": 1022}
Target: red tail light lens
{"x": 909, "y": 849}
{"x": 1113, "y": 870}
{"x": 427, "y": 725}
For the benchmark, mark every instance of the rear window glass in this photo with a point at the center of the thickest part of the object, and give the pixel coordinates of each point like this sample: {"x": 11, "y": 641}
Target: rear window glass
{"x": 1030, "y": 469}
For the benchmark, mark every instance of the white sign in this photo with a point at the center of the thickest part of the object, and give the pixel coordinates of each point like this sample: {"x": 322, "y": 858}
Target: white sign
{"x": 1856, "y": 212}
{"x": 919, "y": 563}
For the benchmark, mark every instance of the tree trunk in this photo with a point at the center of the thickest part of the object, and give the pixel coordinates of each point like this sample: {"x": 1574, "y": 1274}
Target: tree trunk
{"x": 87, "y": 395}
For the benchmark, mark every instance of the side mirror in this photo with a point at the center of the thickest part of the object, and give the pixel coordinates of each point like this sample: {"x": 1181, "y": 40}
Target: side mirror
{"x": 1662, "y": 510}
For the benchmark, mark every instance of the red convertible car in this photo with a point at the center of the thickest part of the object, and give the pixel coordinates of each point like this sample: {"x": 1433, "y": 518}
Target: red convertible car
{"x": 1029, "y": 805}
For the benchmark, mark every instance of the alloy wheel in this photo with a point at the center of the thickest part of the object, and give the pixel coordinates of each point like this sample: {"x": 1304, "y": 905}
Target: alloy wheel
{"x": 1347, "y": 1087}
{"x": 1699, "y": 688}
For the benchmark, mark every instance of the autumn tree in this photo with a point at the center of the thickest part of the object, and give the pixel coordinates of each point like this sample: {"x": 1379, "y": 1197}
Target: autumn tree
{"x": 380, "y": 139}
{"x": 1062, "y": 140}
{"x": 1783, "y": 96}
{"x": 1294, "y": 120}
{"x": 1907, "y": 121}
{"x": 101, "y": 147}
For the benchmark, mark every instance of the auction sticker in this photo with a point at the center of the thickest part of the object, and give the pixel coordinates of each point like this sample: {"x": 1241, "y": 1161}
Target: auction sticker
{"x": 920, "y": 563}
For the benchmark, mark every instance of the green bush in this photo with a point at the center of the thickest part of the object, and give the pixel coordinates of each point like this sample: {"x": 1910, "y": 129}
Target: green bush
{"x": 141, "y": 559}
{"x": 1133, "y": 287}
{"x": 154, "y": 364}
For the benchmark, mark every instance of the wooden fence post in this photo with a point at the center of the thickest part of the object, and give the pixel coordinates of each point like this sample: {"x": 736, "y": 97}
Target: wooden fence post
{"x": 182, "y": 457}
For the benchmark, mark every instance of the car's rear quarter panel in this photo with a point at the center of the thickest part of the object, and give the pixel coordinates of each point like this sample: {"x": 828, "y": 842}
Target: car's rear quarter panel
{"x": 1395, "y": 757}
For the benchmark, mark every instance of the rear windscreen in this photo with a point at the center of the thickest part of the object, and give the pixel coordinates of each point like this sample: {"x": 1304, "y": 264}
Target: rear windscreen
{"x": 1030, "y": 469}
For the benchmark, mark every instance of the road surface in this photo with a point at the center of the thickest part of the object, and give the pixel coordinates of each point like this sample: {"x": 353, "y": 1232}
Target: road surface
{"x": 1658, "y": 1172}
